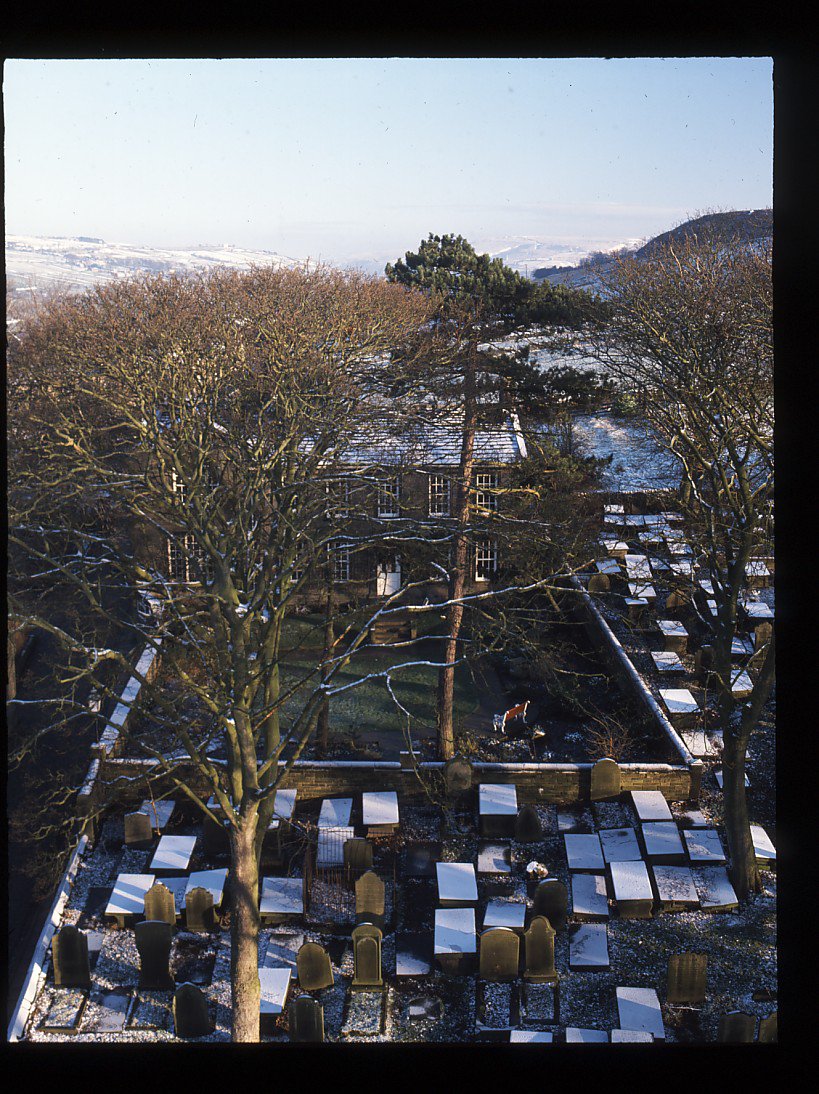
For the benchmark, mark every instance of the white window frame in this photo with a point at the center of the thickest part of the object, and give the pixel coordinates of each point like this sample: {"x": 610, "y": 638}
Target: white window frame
{"x": 340, "y": 557}
{"x": 486, "y": 485}
{"x": 389, "y": 497}
{"x": 440, "y": 496}
{"x": 180, "y": 489}
{"x": 486, "y": 559}
{"x": 188, "y": 554}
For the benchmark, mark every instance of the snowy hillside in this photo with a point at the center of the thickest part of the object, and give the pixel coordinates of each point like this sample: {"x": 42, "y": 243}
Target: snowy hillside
{"x": 82, "y": 261}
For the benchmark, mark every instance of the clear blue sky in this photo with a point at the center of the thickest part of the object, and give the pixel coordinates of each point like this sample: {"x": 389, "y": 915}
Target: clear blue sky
{"x": 345, "y": 157}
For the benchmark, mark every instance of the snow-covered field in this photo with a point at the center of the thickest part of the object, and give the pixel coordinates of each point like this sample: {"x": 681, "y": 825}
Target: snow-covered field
{"x": 638, "y": 462}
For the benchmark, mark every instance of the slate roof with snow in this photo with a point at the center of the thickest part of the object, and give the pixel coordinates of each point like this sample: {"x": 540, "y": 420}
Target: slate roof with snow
{"x": 436, "y": 443}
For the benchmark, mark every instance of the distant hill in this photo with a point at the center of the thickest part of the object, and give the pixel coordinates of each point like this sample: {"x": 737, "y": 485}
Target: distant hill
{"x": 750, "y": 226}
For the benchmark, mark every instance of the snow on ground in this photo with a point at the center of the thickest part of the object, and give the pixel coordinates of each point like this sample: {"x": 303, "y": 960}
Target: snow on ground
{"x": 638, "y": 462}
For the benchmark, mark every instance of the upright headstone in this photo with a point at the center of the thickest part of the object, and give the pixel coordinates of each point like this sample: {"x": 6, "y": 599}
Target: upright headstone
{"x": 599, "y": 583}
{"x": 313, "y": 967}
{"x": 358, "y": 855}
{"x": 768, "y": 1031}
{"x": 687, "y": 977}
{"x": 69, "y": 954}
{"x": 369, "y": 899}
{"x": 367, "y": 958}
{"x": 605, "y": 780}
{"x": 528, "y": 828}
{"x": 191, "y": 1014}
{"x": 551, "y": 900}
{"x": 736, "y": 1027}
{"x": 762, "y": 634}
{"x": 306, "y": 1020}
{"x": 457, "y": 775}
{"x": 138, "y": 830}
{"x": 199, "y": 910}
{"x": 159, "y": 904}
{"x": 499, "y": 954}
{"x": 153, "y": 940}
{"x": 539, "y": 952}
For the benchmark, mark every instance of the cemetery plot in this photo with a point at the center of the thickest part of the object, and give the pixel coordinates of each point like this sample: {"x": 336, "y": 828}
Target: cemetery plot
{"x": 504, "y": 913}
{"x": 662, "y": 842}
{"x": 608, "y": 566}
{"x": 701, "y": 745}
{"x": 380, "y": 811}
{"x": 159, "y": 813}
{"x": 642, "y": 590}
{"x": 588, "y": 946}
{"x": 281, "y": 899}
{"x": 455, "y": 942}
{"x": 494, "y": 858}
{"x": 674, "y": 634}
{"x": 413, "y": 955}
{"x": 639, "y": 1011}
{"x": 715, "y": 890}
{"x": 589, "y": 897}
{"x": 620, "y": 845}
{"x": 638, "y": 568}
{"x": 497, "y": 808}
{"x": 335, "y": 813}
{"x": 632, "y": 889}
{"x": 173, "y": 854}
{"x": 457, "y": 884}
{"x": 330, "y": 848}
{"x": 65, "y": 1012}
{"x": 584, "y": 852}
{"x": 128, "y": 896}
{"x": 679, "y": 702}
{"x": 675, "y": 887}
{"x": 704, "y": 845}
{"x": 284, "y": 807}
{"x": 667, "y": 661}
{"x": 418, "y": 859}
{"x": 650, "y": 805}
{"x": 211, "y": 880}
{"x": 741, "y": 685}
{"x": 274, "y": 983}
{"x": 763, "y": 848}
{"x": 741, "y": 647}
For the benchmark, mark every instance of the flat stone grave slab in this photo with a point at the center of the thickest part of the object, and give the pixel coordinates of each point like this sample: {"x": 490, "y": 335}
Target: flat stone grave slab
{"x": 608, "y": 566}
{"x": 674, "y": 634}
{"x": 741, "y": 685}
{"x": 662, "y": 841}
{"x": 455, "y": 931}
{"x": 112, "y": 1010}
{"x": 379, "y": 811}
{"x": 541, "y": 1036}
{"x": 639, "y": 1011}
{"x": 128, "y": 896}
{"x": 335, "y": 813}
{"x": 330, "y": 850}
{"x": 712, "y": 607}
{"x": 630, "y": 1036}
{"x": 757, "y": 611}
{"x": 413, "y": 954}
{"x": 676, "y": 891}
{"x": 667, "y": 661}
{"x": 284, "y": 805}
{"x": 691, "y": 818}
{"x": 159, "y": 812}
{"x": 457, "y": 883}
{"x": 274, "y": 983}
{"x": 704, "y": 845}
{"x": 620, "y": 845}
{"x": 281, "y": 898}
{"x": 497, "y": 808}
{"x": 505, "y": 913}
{"x": 151, "y": 1010}
{"x": 588, "y": 946}
{"x": 584, "y": 852}
{"x": 638, "y": 567}
{"x": 718, "y": 777}
{"x": 365, "y": 1014}
{"x": 642, "y": 590}
{"x": 589, "y": 897}
{"x": 537, "y": 1004}
{"x": 741, "y": 647}
{"x": 282, "y": 949}
{"x": 173, "y": 854}
{"x": 617, "y": 548}
{"x": 632, "y": 889}
{"x": 575, "y": 1035}
{"x": 651, "y": 805}
{"x": 574, "y": 820}
{"x": 494, "y": 858}
{"x": 418, "y": 859}
{"x": 699, "y": 744}
{"x": 613, "y": 507}
{"x": 763, "y": 848}
{"x": 679, "y": 701}
{"x": 212, "y": 880}
{"x": 715, "y": 890}
{"x": 659, "y": 565}
{"x": 66, "y": 1011}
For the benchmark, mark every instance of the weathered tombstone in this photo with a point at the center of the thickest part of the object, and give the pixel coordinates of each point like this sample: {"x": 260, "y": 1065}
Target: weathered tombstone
{"x": 599, "y": 583}
{"x": 369, "y": 899}
{"x": 499, "y": 954}
{"x": 736, "y": 1027}
{"x": 313, "y": 967}
{"x": 551, "y": 900}
{"x": 687, "y": 977}
{"x": 539, "y": 952}
{"x": 457, "y": 775}
{"x": 69, "y": 954}
{"x": 528, "y": 828}
{"x": 306, "y": 1020}
{"x": 199, "y": 910}
{"x": 762, "y": 634}
{"x": 704, "y": 660}
{"x": 153, "y": 940}
{"x": 191, "y": 1014}
{"x": 358, "y": 855}
{"x": 677, "y": 599}
{"x": 605, "y": 780}
{"x": 138, "y": 830}
{"x": 160, "y": 904}
{"x": 768, "y": 1030}
{"x": 367, "y": 958}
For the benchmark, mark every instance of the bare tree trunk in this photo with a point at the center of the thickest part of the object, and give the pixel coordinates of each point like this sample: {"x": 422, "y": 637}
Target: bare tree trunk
{"x": 744, "y": 872}
{"x": 244, "y": 931}
{"x": 323, "y": 725}
{"x": 446, "y": 676}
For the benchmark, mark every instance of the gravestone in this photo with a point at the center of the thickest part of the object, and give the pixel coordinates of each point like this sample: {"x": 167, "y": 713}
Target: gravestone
{"x": 369, "y": 899}
{"x": 160, "y": 904}
{"x": 528, "y": 828}
{"x": 499, "y": 954}
{"x": 551, "y": 900}
{"x": 458, "y": 775}
{"x": 768, "y": 1031}
{"x": 367, "y": 958}
{"x": 599, "y": 583}
{"x": 199, "y": 910}
{"x": 762, "y": 634}
{"x": 539, "y": 952}
{"x": 313, "y": 967}
{"x": 151, "y": 1010}
{"x": 138, "y": 830}
{"x": 588, "y": 946}
{"x": 736, "y": 1027}
{"x": 69, "y": 955}
{"x": 153, "y": 941}
{"x": 65, "y": 1012}
{"x": 704, "y": 660}
{"x": 605, "y": 780}
{"x": 358, "y": 855}
{"x": 687, "y": 977}
{"x": 191, "y": 1014}
{"x": 306, "y": 1020}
